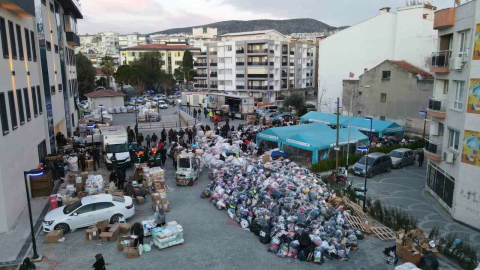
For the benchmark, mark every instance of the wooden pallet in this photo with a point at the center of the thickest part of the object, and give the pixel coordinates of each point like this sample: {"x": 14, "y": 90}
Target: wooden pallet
{"x": 384, "y": 233}
{"x": 357, "y": 209}
{"x": 354, "y": 222}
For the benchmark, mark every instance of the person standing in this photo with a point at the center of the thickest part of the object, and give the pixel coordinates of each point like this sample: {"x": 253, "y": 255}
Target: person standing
{"x": 154, "y": 139}
{"x": 114, "y": 161}
{"x": 199, "y": 113}
{"x": 163, "y": 156}
{"x": 185, "y": 138}
{"x": 188, "y": 107}
{"x": 81, "y": 160}
{"x": 421, "y": 156}
{"x": 170, "y": 136}
{"x": 190, "y": 136}
{"x": 136, "y": 129}
{"x": 194, "y": 131}
{"x": 27, "y": 265}
{"x": 148, "y": 140}
{"x": 174, "y": 158}
{"x": 210, "y": 114}
{"x": 96, "y": 156}
{"x": 163, "y": 134}
{"x": 205, "y": 112}
{"x": 194, "y": 113}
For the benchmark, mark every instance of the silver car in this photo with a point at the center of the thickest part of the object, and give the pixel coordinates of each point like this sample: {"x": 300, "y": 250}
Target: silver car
{"x": 402, "y": 157}
{"x": 377, "y": 163}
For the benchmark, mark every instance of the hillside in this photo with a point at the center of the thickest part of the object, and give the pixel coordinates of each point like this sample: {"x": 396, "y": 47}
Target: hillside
{"x": 283, "y": 26}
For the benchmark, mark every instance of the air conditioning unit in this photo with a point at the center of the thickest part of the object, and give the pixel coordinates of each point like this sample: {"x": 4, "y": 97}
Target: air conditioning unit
{"x": 448, "y": 157}
{"x": 457, "y": 62}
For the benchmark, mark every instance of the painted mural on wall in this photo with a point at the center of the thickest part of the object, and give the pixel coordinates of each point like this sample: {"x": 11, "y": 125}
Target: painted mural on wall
{"x": 473, "y": 102}
{"x": 476, "y": 48}
{"x": 471, "y": 145}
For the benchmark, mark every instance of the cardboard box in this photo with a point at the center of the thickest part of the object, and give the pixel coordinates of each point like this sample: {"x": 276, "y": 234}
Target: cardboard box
{"x": 102, "y": 225}
{"x": 107, "y": 236}
{"x": 92, "y": 233}
{"x": 166, "y": 206}
{"x": 119, "y": 193}
{"x": 136, "y": 192}
{"x": 158, "y": 185}
{"x": 398, "y": 247}
{"x": 79, "y": 187}
{"x": 410, "y": 254}
{"x": 401, "y": 234}
{"x": 132, "y": 253}
{"x": 84, "y": 177}
{"x": 366, "y": 225}
{"x": 82, "y": 194}
{"x": 426, "y": 247}
{"x": 125, "y": 228}
{"x": 266, "y": 158}
{"x": 53, "y": 236}
{"x": 115, "y": 229}
{"x": 140, "y": 200}
{"x": 123, "y": 242}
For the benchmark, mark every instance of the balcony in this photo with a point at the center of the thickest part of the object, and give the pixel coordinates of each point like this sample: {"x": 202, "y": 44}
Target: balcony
{"x": 292, "y": 64}
{"x": 270, "y": 75}
{"x": 257, "y": 87}
{"x": 203, "y": 53}
{"x": 197, "y": 64}
{"x": 213, "y": 64}
{"x": 284, "y": 74}
{"x": 198, "y": 85}
{"x": 240, "y": 75}
{"x": 270, "y": 87}
{"x": 257, "y": 75}
{"x": 240, "y": 87}
{"x": 284, "y": 64}
{"x": 72, "y": 39}
{"x": 291, "y": 74}
{"x": 272, "y": 63}
{"x": 284, "y": 86}
{"x": 200, "y": 75}
{"x": 240, "y": 51}
{"x": 258, "y": 51}
{"x": 444, "y": 18}
{"x": 240, "y": 63}
{"x": 213, "y": 86}
{"x": 214, "y": 75}
{"x": 437, "y": 108}
{"x": 292, "y": 53}
{"x": 272, "y": 51}
{"x": 258, "y": 63}
{"x": 433, "y": 151}
{"x": 213, "y": 53}
{"x": 441, "y": 62}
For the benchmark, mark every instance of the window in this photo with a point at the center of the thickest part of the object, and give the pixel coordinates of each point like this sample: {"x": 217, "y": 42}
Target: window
{"x": 20, "y": 42}
{"x": 359, "y": 93}
{"x": 51, "y": 7}
{"x": 49, "y": 46}
{"x": 32, "y": 40}
{"x": 228, "y": 83}
{"x": 441, "y": 128}
{"x": 60, "y": 88}
{"x": 42, "y": 151}
{"x": 56, "y": 48}
{"x": 240, "y": 83}
{"x": 383, "y": 97}
{"x": 385, "y": 75}
{"x": 13, "y": 110}
{"x": 13, "y": 44}
{"x": 359, "y": 112}
{"x": 103, "y": 205}
{"x": 382, "y": 118}
{"x": 34, "y": 100}
{"x": 85, "y": 209}
{"x": 221, "y": 82}
{"x": 39, "y": 96}
{"x": 20, "y": 106}
{"x": 453, "y": 139}
{"x": 445, "y": 87}
{"x": 459, "y": 88}
{"x": 27, "y": 104}
{"x": 73, "y": 120}
{"x": 463, "y": 49}
{"x": 299, "y": 60}
{"x": 3, "y": 36}
{"x": 228, "y": 48}
{"x": 3, "y": 114}
{"x": 27, "y": 45}
{"x": 44, "y": 2}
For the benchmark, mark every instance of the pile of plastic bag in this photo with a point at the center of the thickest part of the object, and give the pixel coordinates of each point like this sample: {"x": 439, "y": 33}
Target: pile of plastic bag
{"x": 167, "y": 236}
{"x": 148, "y": 115}
{"x": 73, "y": 163}
{"x": 94, "y": 183}
{"x": 279, "y": 201}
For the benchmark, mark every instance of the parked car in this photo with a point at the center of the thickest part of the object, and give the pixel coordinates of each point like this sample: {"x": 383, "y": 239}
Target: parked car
{"x": 377, "y": 163}
{"x": 162, "y": 104}
{"x": 310, "y": 107}
{"x": 84, "y": 104}
{"x": 266, "y": 108}
{"x": 155, "y": 98}
{"x": 88, "y": 211}
{"x": 264, "y": 113}
{"x": 402, "y": 157}
{"x": 286, "y": 116}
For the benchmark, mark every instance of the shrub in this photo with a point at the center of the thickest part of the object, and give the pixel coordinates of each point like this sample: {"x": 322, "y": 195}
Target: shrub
{"x": 463, "y": 252}
{"x": 386, "y": 150}
{"x": 330, "y": 163}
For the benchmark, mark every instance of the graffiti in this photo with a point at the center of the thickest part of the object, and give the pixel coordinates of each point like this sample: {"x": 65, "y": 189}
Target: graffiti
{"x": 473, "y": 101}
{"x": 473, "y": 211}
{"x": 469, "y": 196}
{"x": 476, "y": 48}
{"x": 471, "y": 147}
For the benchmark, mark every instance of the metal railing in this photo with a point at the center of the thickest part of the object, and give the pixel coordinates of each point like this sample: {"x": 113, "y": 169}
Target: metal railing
{"x": 292, "y": 53}
{"x": 240, "y": 63}
{"x": 272, "y": 63}
{"x": 240, "y": 75}
{"x": 198, "y": 85}
{"x": 437, "y": 104}
{"x": 213, "y": 64}
{"x": 441, "y": 58}
{"x": 240, "y": 87}
{"x": 240, "y": 51}
{"x": 258, "y": 87}
{"x": 434, "y": 148}
{"x": 197, "y": 64}
{"x": 258, "y": 63}
{"x": 214, "y": 86}
{"x": 258, "y": 51}
{"x": 284, "y": 63}
{"x": 284, "y": 74}
{"x": 200, "y": 75}
{"x": 292, "y": 64}
{"x": 213, "y": 75}
{"x": 257, "y": 75}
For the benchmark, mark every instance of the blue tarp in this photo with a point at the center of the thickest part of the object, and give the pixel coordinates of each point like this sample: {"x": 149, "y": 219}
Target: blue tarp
{"x": 325, "y": 139}
{"x": 325, "y": 118}
{"x": 279, "y": 134}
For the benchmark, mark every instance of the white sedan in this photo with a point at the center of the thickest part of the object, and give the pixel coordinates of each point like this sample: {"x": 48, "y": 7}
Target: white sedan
{"x": 162, "y": 104}
{"x": 88, "y": 211}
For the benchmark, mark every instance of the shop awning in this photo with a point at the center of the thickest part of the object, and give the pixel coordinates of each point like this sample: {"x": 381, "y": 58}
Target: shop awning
{"x": 325, "y": 118}
{"x": 279, "y": 134}
{"x": 324, "y": 139}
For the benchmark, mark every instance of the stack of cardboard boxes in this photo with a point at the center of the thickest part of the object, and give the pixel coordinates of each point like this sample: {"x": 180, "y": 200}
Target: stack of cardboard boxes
{"x": 105, "y": 231}
{"x": 412, "y": 245}
{"x": 53, "y": 236}
{"x": 159, "y": 200}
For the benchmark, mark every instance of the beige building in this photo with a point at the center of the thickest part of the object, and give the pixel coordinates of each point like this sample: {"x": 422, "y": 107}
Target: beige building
{"x": 172, "y": 54}
{"x": 106, "y": 98}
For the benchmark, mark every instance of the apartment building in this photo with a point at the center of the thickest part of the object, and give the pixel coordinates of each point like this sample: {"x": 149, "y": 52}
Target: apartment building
{"x": 454, "y": 110}
{"x": 262, "y": 64}
{"x": 37, "y": 93}
{"x": 406, "y": 35}
{"x": 132, "y": 40}
{"x": 95, "y": 47}
{"x": 172, "y": 54}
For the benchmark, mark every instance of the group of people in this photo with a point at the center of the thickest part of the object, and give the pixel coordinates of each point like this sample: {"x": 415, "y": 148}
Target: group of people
{"x": 84, "y": 155}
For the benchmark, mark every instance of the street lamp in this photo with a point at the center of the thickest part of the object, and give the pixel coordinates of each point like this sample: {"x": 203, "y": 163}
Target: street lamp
{"x": 34, "y": 243}
{"x": 92, "y": 126}
{"x": 366, "y": 163}
{"x": 179, "y": 112}
{"x": 424, "y": 122}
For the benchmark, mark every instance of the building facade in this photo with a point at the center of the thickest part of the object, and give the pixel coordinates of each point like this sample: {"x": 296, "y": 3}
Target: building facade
{"x": 406, "y": 35}
{"x": 38, "y": 90}
{"x": 392, "y": 91}
{"x": 132, "y": 40}
{"x": 454, "y": 109}
{"x": 172, "y": 54}
{"x": 262, "y": 64}
{"x": 95, "y": 47}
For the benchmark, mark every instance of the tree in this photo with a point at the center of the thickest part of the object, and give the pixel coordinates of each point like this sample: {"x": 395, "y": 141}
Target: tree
{"x": 322, "y": 100}
{"x": 147, "y": 70}
{"x": 166, "y": 81}
{"x": 123, "y": 74}
{"x": 108, "y": 68}
{"x": 297, "y": 101}
{"x": 85, "y": 75}
{"x": 351, "y": 93}
{"x": 184, "y": 73}
{"x": 101, "y": 82}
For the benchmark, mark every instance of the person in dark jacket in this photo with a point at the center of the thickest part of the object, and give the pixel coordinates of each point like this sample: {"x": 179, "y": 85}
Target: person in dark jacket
{"x": 27, "y": 265}
{"x": 81, "y": 160}
{"x": 128, "y": 189}
{"x": 190, "y": 135}
{"x": 99, "y": 263}
{"x": 205, "y": 112}
{"x": 194, "y": 113}
{"x": 421, "y": 157}
{"x": 199, "y": 113}
{"x": 137, "y": 230}
{"x": 96, "y": 157}
{"x": 154, "y": 139}
{"x": 136, "y": 129}
{"x": 114, "y": 178}
{"x": 163, "y": 134}
{"x": 121, "y": 178}
{"x": 142, "y": 191}
{"x": 163, "y": 155}
{"x": 170, "y": 136}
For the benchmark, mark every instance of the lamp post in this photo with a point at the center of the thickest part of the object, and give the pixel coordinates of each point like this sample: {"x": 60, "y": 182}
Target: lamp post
{"x": 34, "y": 243}
{"x": 179, "y": 112}
{"x": 424, "y": 122}
{"x": 91, "y": 127}
{"x": 366, "y": 164}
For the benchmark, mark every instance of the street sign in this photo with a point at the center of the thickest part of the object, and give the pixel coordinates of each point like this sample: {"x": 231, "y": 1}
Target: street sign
{"x": 100, "y": 106}
{"x": 336, "y": 148}
{"x": 422, "y": 112}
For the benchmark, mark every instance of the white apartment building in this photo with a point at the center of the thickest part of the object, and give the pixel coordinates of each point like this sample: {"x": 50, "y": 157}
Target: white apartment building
{"x": 37, "y": 93}
{"x": 132, "y": 40}
{"x": 454, "y": 109}
{"x": 263, "y": 64}
{"x": 208, "y": 33}
{"x": 95, "y": 47}
{"x": 407, "y": 35}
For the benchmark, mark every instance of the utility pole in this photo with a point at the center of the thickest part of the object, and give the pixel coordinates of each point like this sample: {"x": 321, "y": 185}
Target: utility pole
{"x": 349, "y": 122}
{"x": 338, "y": 134}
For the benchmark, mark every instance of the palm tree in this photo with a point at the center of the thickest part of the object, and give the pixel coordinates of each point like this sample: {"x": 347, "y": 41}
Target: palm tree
{"x": 108, "y": 68}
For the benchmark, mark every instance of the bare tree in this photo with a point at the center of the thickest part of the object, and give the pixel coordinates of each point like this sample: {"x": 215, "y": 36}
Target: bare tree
{"x": 322, "y": 101}
{"x": 351, "y": 90}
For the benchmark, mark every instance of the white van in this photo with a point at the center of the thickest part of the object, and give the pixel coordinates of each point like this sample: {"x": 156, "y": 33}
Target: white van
{"x": 115, "y": 141}
{"x": 267, "y": 108}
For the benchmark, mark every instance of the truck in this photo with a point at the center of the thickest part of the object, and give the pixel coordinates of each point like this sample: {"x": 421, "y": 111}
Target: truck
{"x": 196, "y": 99}
{"x": 115, "y": 141}
{"x": 188, "y": 169}
{"x": 240, "y": 105}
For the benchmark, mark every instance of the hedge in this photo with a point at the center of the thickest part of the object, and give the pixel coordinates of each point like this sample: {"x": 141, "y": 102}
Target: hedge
{"x": 386, "y": 150}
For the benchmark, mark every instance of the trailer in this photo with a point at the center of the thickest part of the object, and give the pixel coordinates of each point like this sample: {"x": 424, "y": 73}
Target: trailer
{"x": 240, "y": 105}
{"x": 195, "y": 99}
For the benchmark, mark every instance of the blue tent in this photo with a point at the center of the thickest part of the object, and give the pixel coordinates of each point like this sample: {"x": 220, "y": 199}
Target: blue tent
{"x": 323, "y": 140}
{"x": 279, "y": 134}
{"x": 325, "y": 118}
{"x": 378, "y": 126}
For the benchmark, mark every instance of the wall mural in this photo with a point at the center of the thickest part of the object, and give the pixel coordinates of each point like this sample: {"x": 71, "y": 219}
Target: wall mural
{"x": 471, "y": 144}
{"x": 473, "y": 102}
{"x": 476, "y": 46}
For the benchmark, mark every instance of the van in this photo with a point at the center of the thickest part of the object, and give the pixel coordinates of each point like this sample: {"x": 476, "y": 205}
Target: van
{"x": 402, "y": 157}
{"x": 377, "y": 163}
{"x": 267, "y": 108}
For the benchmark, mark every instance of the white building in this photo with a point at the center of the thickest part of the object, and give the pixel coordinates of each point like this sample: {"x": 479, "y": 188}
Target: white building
{"x": 263, "y": 64}
{"x": 95, "y": 47}
{"x": 200, "y": 33}
{"x": 406, "y": 35}
{"x": 132, "y": 40}
{"x": 35, "y": 102}
{"x": 107, "y": 98}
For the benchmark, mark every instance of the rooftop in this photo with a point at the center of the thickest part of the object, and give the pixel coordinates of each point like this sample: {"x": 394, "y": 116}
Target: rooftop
{"x": 412, "y": 69}
{"x": 161, "y": 47}
{"x": 252, "y": 33}
{"x": 103, "y": 93}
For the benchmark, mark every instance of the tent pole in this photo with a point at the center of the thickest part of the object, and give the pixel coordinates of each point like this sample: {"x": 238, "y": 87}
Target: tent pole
{"x": 338, "y": 130}
{"x": 349, "y": 121}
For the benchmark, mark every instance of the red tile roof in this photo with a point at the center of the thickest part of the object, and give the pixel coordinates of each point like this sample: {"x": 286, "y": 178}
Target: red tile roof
{"x": 412, "y": 69}
{"x": 104, "y": 93}
{"x": 161, "y": 46}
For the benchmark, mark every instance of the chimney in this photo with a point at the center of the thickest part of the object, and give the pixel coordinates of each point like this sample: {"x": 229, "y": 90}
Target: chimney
{"x": 365, "y": 70}
{"x": 384, "y": 10}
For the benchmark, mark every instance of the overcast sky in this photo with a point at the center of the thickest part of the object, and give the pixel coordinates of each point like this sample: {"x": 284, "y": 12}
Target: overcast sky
{"x": 146, "y": 16}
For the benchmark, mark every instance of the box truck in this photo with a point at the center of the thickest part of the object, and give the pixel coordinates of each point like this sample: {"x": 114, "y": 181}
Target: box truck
{"x": 115, "y": 141}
